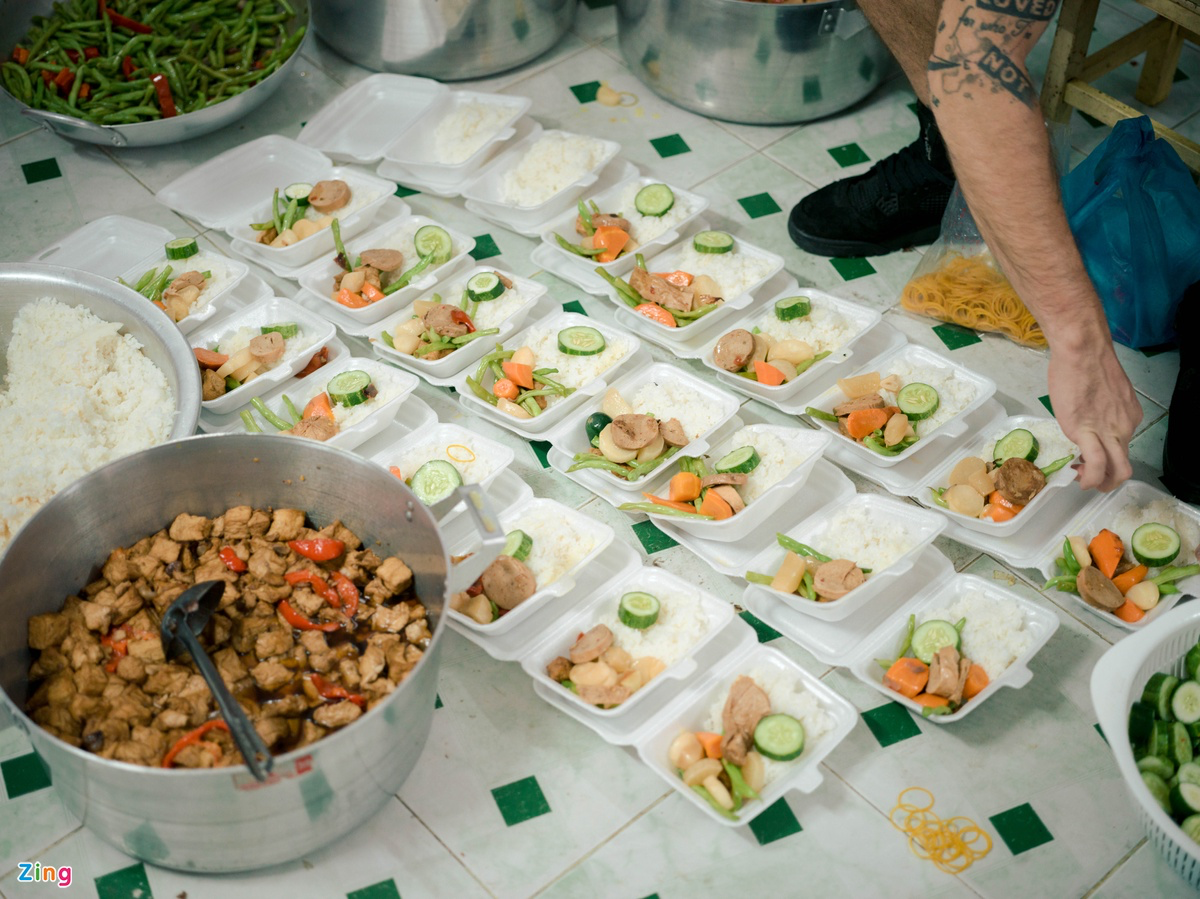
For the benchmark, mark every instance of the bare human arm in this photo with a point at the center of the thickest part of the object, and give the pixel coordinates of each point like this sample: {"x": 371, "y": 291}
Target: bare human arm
{"x": 988, "y": 113}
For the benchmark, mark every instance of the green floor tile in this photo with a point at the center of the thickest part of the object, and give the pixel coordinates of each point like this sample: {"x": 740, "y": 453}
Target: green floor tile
{"x": 848, "y": 154}
{"x": 127, "y": 883}
{"x": 1045, "y": 401}
{"x": 402, "y": 191}
{"x": 1021, "y": 829}
{"x": 759, "y": 205}
{"x": 850, "y": 269}
{"x": 42, "y": 170}
{"x": 24, "y": 774}
{"x": 585, "y": 93}
{"x": 521, "y": 800}
{"x": 574, "y": 306}
{"x": 485, "y": 248}
{"x": 956, "y": 337}
{"x": 765, "y": 632}
{"x": 652, "y": 539}
{"x": 385, "y": 889}
{"x": 775, "y": 823}
{"x": 670, "y": 145}
{"x": 891, "y": 723}
{"x": 541, "y": 449}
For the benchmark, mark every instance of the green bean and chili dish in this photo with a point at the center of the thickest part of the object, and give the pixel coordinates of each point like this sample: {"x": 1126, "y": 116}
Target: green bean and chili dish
{"x": 118, "y": 62}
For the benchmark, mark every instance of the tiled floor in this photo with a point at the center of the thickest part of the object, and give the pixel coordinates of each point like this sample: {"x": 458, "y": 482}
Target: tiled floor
{"x": 512, "y": 798}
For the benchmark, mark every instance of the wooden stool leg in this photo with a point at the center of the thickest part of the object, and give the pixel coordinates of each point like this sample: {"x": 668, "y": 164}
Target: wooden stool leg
{"x": 1076, "y": 18}
{"x": 1161, "y": 59}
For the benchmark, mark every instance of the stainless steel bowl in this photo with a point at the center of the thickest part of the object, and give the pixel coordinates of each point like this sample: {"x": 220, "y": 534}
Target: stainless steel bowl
{"x": 756, "y": 63}
{"x": 15, "y": 17}
{"x": 446, "y": 39}
{"x": 23, "y": 282}
{"x": 222, "y": 819}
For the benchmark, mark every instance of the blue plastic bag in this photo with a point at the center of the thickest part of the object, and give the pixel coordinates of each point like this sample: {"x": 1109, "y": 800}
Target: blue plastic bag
{"x": 1135, "y": 213}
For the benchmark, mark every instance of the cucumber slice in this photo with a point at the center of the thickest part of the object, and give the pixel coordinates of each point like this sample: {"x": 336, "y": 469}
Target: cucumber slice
{"x": 1181, "y": 744}
{"x": 1162, "y": 767}
{"x": 596, "y": 422}
{"x": 742, "y": 460}
{"x": 298, "y": 192}
{"x": 1192, "y": 662}
{"x": 1158, "y": 692}
{"x": 433, "y": 243}
{"x": 1160, "y": 740}
{"x": 349, "y": 388}
{"x": 1154, "y": 544}
{"x": 1191, "y": 826}
{"x": 918, "y": 401}
{"x": 517, "y": 544}
{"x": 1016, "y": 444}
{"x": 638, "y": 610}
{"x": 485, "y": 286}
{"x": 1185, "y": 799}
{"x": 654, "y": 200}
{"x": 712, "y": 242}
{"x": 435, "y": 480}
{"x": 1185, "y": 702}
{"x": 581, "y": 340}
{"x": 1141, "y": 719}
{"x": 931, "y": 636}
{"x": 779, "y": 737}
{"x": 1189, "y": 772}
{"x": 1158, "y": 789}
{"x": 791, "y": 308}
{"x": 285, "y": 330}
{"x": 181, "y": 248}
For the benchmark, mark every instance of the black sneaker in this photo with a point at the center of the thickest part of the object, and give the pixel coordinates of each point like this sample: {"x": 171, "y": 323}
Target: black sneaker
{"x": 898, "y": 203}
{"x": 1180, "y": 474}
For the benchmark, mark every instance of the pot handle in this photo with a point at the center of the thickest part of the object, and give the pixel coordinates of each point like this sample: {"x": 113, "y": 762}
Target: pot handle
{"x": 479, "y": 509}
{"x": 69, "y": 126}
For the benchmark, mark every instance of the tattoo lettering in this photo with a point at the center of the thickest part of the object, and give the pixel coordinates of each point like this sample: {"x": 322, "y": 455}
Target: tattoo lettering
{"x": 969, "y": 56}
{"x": 1037, "y": 10}
{"x": 1007, "y": 74}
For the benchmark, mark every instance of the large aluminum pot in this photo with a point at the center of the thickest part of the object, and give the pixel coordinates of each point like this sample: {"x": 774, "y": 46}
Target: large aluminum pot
{"x": 446, "y": 39}
{"x": 757, "y": 63}
{"x": 23, "y": 282}
{"x": 222, "y": 819}
{"x": 15, "y": 16}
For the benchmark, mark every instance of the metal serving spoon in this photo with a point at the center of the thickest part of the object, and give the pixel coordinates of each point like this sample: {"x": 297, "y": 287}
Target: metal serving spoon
{"x": 182, "y": 623}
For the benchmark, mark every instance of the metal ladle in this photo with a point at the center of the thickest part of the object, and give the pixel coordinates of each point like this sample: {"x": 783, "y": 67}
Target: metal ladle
{"x": 182, "y": 623}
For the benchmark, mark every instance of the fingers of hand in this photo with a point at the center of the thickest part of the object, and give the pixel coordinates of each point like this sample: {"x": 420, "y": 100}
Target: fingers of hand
{"x": 1119, "y": 469}
{"x": 1095, "y": 466}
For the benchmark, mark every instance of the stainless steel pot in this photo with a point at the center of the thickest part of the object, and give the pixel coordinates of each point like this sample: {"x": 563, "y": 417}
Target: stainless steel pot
{"x": 757, "y": 63}
{"x": 15, "y": 16}
{"x": 222, "y": 819}
{"x": 446, "y": 39}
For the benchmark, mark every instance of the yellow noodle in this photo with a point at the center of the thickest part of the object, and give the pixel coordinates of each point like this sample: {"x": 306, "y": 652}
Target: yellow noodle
{"x": 952, "y": 844}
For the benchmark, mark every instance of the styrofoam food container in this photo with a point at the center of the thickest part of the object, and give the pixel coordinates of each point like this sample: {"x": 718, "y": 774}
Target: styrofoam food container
{"x": 448, "y": 366}
{"x": 234, "y": 189}
{"x": 1103, "y": 514}
{"x": 360, "y": 122}
{"x": 862, "y": 319}
{"x": 317, "y": 278}
{"x": 914, "y": 355}
{"x": 690, "y": 712}
{"x": 565, "y": 224}
{"x": 442, "y": 436}
{"x": 314, "y": 333}
{"x": 884, "y": 640}
{"x": 941, "y": 477}
{"x": 1117, "y": 682}
{"x": 416, "y": 147}
{"x": 805, "y": 443}
{"x": 569, "y": 521}
{"x": 571, "y": 438}
{"x": 486, "y": 188}
{"x": 559, "y": 639}
{"x": 558, "y": 410}
{"x": 919, "y": 526}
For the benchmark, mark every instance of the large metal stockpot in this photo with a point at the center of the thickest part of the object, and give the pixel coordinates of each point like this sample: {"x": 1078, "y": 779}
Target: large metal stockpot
{"x": 222, "y": 819}
{"x": 757, "y": 63}
{"x": 446, "y": 39}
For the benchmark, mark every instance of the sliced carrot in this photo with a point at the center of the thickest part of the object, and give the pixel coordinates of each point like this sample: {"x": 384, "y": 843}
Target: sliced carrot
{"x": 907, "y": 676}
{"x": 505, "y": 389}
{"x": 396, "y": 471}
{"x": 656, "y": 313}
{"x": 714, "y": 506}
{"x": 1106, "y": 549}
{"x": 20, "y": 55}
{"x": 318, "y": 407}
{"x": 769, "y": 375}
{"x": 1133, "y": 576}
{"x": 1129, "y": 612}
{"x": 977, "y": 680}
{"x": 999, "y": 499}
{"x": 678, "y": 277}
{"x": 208, "y": 358}
{"x": 928, "y": 699}
{"x": 612, "y": 239}
{"x": 998, "y": 513}
{"x": 521, "y": 375}
{"x": 371, "y": 293}
{"x": 685, "y": 487}
{"x": 862, "y": 422}
{"x": 350, "y": 299}
{"x": 671, "y": 504}
{"x": 711, "y": 743}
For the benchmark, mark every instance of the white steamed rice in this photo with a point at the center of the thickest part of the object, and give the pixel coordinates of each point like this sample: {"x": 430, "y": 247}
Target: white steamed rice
{"x": 554, "y": 161}
{"x": 462, "y": 133}
{"x": 473, "y": 471}
{"x": 217, "y": 265}
{"x": 865, "y": 537}
{"x": 954, "y": 393}
{"x": 1052, "y": 442}
{"x": 776, "y": 461}
{"x": 360, "y": 195}
{"x": 682, "y": 623}
{"x": 492, "y": 313}
{"x": 573, "y": 371}
{"x": 402, "y": 239}
{"x": 1164, "y": 512}
{"x": 825, "y": 328}
{"x": 666, "y": 399}
{"x": 559, "y": 543}
{"x": 994, "y": 635}
{"x": 236, "y": 341}
{"x": 735, "y": 272}
{"x": 387, "y": 382}
{"x": 645, "y": 228}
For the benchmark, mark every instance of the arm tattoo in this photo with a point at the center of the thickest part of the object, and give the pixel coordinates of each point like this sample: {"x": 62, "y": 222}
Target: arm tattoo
{"x": 970, "y": 54}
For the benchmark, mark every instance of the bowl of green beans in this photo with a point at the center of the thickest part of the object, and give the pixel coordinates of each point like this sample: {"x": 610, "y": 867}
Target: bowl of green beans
{"x": 130, "y": 73}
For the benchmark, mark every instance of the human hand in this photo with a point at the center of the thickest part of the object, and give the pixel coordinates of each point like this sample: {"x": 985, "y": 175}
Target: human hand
{"x": 1097, "y": 408}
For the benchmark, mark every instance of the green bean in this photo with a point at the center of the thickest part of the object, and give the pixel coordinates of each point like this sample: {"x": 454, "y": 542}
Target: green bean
{"x": 820, "y": 414}
{"x": 145, "y": 279}
{"x": 1064, "y": 583}
{"x": 248, "y": 53}
{"x": 249, "y": 423}
{"x": 480, "y": 391}
{"x": 280, "y": 424}
{"x": 276, "y": 218}
{"x": 755, "y": 577}
{"x": 800, "y": 549}
{"x": 658, "y": 509}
